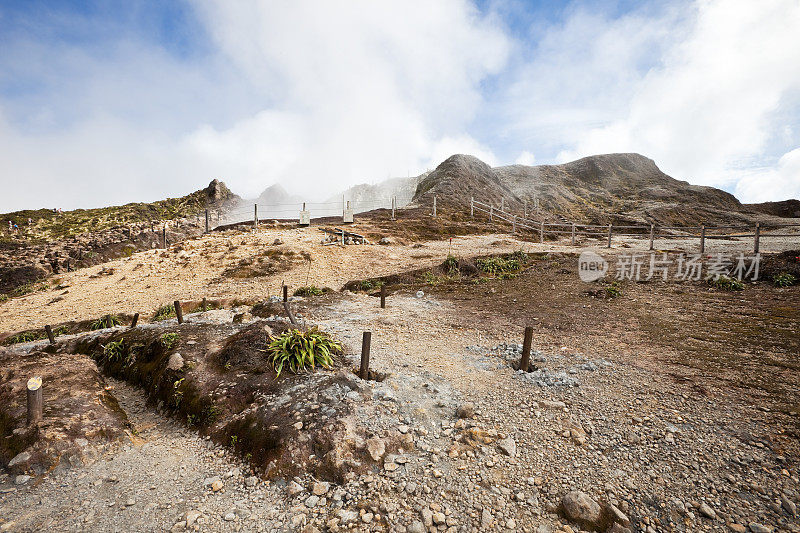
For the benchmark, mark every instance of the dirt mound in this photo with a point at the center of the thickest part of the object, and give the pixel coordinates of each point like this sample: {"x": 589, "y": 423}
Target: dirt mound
{"x": 784, "y": 209}
{"x": 601, "y": 189}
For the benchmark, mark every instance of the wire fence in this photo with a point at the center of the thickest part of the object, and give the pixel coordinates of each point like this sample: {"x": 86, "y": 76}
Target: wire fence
{"x": 652, "y": 232}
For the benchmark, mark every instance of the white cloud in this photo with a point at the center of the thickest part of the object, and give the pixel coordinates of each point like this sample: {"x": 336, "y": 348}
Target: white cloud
{"x": 708, "y": 110}
{"x": 525, "y": 158}
{"x": 770, "y": 184}
{"x": 315, "y": 95}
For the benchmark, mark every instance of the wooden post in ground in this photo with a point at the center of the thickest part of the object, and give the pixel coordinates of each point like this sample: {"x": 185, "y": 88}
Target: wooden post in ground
{"x": 491, "y": 213}
{"x": 471, "y": 207}
{"x": 204, "y": 305}
{"x": 541, "y": 233}
{"x": 178, "y": 312}
{"x": 434, "y": 205}
{"x": 652, "y": 235}
{"x": 383, "y": 296}
{"x": 609, "y": 236}
{"x": 394, "y": 205}
{"x": 703, "y": 239}
{"x": 207, "y": 219}
{"x": 49, "y": 331}
{"x": 526, "y": 349}
{"x": 255, "y": 215}
{"x": 164, "y": 231}
{"x": 35, "y": 400}
{"x": 285, "y": 293}
{"x": 366, "y": 340}
{"x": 573, "y": 234}
{"x": 289, "y": 313}
{"x": 135, "y": 320}
{"x": 757, "y": 237}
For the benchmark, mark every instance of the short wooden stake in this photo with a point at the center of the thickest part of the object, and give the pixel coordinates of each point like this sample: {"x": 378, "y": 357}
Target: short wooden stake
{"x": 50, "y": 337}
{"x": 609, "y": 236}
{"x": 164, "y": 231}
{"x": 178, "y": 312}
{"x": 703, "y": 240}
{"x": 757, "y": 236}
{"x": 35, "y": 401}
{"x": 383, "y": 296}
{"x": 255, "y": 215}
{"x": 207, "y": 219}
{"x": 365, "y": 345}
{"x": 289, "y": 313}
{"x": 135, "y": 320}
{"x": 652, "y": 235}
{"x": 204, "y": 305}
{"x": 285, "y": 293}
{"x": 526, "y": 349}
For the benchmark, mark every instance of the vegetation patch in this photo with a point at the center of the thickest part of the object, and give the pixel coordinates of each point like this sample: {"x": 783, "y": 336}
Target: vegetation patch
{"x": 784, "y": 279}
{"x": 302, "y": 351}
{"x": 108, "y": 321}
{"x": 311, "y": 290}
{"x": 726, "y": 283}
{"x": 163, "y": 313}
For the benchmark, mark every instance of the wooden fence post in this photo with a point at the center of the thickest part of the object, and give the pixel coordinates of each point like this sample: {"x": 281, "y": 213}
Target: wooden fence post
{"x": 703, "y": 239}
{"x": 135, "y": 320}
{"x": 526, "y": 349}
{"x": 165, "y": 235}
{"x": 178, "y": 312}
{"x": 573, "y": 234}
{"x": 541, "y": 233}
{"x": 491, "y": 213}
{"x": 286, "y": 292}
{"x": 204, "y": 305}
{"x": 366, "y": 340}
{"x": 652, "y": 234}
{"x": 394, "y": 205}
{"x": 757, "y": 237}
{"x": 207, "y": 219}
{"x": 35, "y": 400}
{"x": 255, "y": 215}
{"x": 49, "y": 331}
{"x": 609, "y": 236}
{"x": 383, "y": 296}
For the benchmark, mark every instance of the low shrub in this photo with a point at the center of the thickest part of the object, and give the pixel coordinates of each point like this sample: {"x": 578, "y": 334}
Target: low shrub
{"x": 3, "y": 298}
{"x": 108, "y": 321}
{"x": 498, "y": 265}
{"x": 784, "y": 279}
{"x": 613, "y": 290}
{"x": 113, "y": 351}
{"x": 25, "y": 336}
{"x": 164, "y": 312}
{"x": 726, "y": 283}
{"x": 300, "y": 351}
{"x": 311, "y": 290}
{"x": 168, "y": 340}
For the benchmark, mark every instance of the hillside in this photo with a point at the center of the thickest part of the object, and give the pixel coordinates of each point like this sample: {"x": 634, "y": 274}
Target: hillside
{"x": 784, "y": 209}
{"x": 601, "y": 189}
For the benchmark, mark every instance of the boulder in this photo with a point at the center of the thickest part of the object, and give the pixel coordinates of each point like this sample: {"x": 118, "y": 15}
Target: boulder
{"x": 580, "y": 508}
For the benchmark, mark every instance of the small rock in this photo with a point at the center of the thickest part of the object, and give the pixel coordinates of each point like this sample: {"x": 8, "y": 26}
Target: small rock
{"x": 294, "y": 488}
{"x": 298, "y": 426}
{"x": 217, "y": 485}
{"x": 251, "y": 481}
{"x": 508, "y": 446}
{"x": 486, "y": 518}
{"x": 438, "y": 518}
{"x": 192, "y": 516}
{"x": 229, "y": 517}
{"x": 755, "y": 527}
{"x": 415, "y": 527}
{"x": 707, "y": 511}
{"x": 737, "y": 528}
{"x": 20, "y": 458}
{"x": 420, "y": 294}
{"x": 347, "y": 516}
{"x": 311, "y": 501}
{"x": 130, "y": 502}
{"x": 367, "y": 518}
{"x": 175, "y": 361}
{"x": 376, "y": 448}
{"x": 465, "y": 410}
{"x": 581, "y": 508}
{"x": 277, "y": 242}
{"x": 21, "y": 479}
{"x": 788, "y": 505}
{"x": 320, "y": 488}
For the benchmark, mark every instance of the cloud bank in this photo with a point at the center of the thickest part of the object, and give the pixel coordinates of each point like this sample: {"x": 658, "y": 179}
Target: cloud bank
{"x": 319, "y": 97}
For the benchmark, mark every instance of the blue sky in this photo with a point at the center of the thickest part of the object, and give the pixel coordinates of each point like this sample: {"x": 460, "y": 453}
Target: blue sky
{"x": 105, "y": 103}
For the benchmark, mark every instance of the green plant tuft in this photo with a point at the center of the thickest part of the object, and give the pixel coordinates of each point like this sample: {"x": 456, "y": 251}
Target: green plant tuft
{"x": 726, "y": 283}
{"x": 164, "y": 312}
{"x": 784, "y": 279}
{"x": 498, "y": 265}
{"x": 311, "y": 290}
{"x": 451, "y": 265}
{"x": 613, "y": 290}
{"x": 300, "y": 351}
{"x": 168, "y": 340}
{"x": 108, "y": 321}
{"x": 113, "y": 350}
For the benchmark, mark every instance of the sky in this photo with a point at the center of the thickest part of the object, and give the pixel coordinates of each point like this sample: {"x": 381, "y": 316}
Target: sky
{"x": 106, "y": 103}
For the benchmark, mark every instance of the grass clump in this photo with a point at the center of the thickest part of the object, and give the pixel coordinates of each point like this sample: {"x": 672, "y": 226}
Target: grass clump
{"x": 114, "y": 350}
{"x": 33, "y": 286}
{"x": 3, "y": 298}
{"x": 726, "y": 283}
{"x": 613, "y": 290}
{"x": 301, "y": 351}
{"x": 311, "y": 290}
{"x": 25, "y": 336}
{"x": 450, "y": 265}
{"x": 498, "y": 265}
{"x": 164, "y": 312}
{"x": 108, "y": 321}
{"x": 169, "y": 340}
{"x": 784, "y": 279}
{"x": 370, "y": 284}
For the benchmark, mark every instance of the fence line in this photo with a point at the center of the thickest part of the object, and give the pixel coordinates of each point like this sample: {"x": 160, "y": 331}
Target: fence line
{"x": 651, "y": 232}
